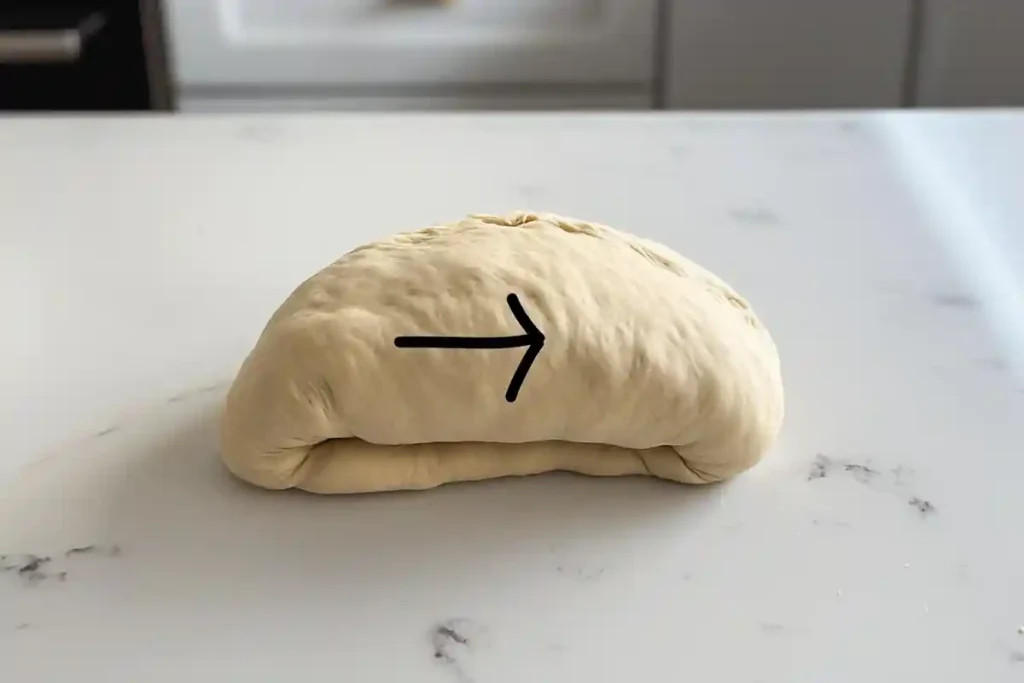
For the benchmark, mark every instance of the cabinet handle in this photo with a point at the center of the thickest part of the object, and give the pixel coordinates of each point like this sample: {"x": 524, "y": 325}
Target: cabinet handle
{"x": 48, "y": 47}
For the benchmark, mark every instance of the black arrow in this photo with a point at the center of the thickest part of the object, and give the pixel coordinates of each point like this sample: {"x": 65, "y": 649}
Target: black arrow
{"x": 533, "y": 340}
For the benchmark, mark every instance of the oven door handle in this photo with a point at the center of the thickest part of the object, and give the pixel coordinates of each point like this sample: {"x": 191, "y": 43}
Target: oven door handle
{"x": 60, "y": 46}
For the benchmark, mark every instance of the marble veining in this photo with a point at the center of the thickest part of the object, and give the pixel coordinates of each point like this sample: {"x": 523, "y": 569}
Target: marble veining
{"x": 877, "y": 530}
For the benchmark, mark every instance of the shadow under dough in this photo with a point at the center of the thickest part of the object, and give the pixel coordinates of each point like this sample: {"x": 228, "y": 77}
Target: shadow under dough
{"x": 191, "y": 533}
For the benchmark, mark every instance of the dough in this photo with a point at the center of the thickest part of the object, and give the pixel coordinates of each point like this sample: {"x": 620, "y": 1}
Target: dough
{"x": 649, "y": 365}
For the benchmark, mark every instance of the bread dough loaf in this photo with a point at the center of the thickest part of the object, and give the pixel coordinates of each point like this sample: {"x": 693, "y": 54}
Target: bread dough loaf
{"x": 650, "y": 365}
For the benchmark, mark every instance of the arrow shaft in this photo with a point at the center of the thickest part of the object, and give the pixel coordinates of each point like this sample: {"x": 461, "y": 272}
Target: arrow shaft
{"x": 463, "y": 342}
{"x": 533, "y": 340}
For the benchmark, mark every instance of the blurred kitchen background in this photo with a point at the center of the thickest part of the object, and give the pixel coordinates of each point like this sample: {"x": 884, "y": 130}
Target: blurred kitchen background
{"x": 301, "y": 55}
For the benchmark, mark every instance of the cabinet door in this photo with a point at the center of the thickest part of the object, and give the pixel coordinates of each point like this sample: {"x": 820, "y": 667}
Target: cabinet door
{"x": 403, "y": 42}
{"x": 972, "y": 53}
{"x": 760, "y": 54}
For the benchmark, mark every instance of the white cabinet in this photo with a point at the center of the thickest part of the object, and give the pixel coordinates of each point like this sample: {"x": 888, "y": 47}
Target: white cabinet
{"x": 972, "y": 53}
{"x": 398, "y": 43}
{"x": 761, "y": 54}
{"x": 607, "y": 54}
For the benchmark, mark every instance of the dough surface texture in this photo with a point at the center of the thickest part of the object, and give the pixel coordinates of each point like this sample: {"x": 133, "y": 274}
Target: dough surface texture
{"x": 650, "y": 365}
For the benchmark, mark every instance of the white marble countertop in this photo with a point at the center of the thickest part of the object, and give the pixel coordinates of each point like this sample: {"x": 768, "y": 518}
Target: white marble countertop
{"x": 880, "y": 540}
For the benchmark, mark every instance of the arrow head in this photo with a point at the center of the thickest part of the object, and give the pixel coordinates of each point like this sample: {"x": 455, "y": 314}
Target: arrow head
{"x": 534, "y": 342}
{"x": 532, "y": 338}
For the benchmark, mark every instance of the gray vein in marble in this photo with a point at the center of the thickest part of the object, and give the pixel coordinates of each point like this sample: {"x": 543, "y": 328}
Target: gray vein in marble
{"x": 820, "y": 467}
{"x": 199, "y": 391}
{"x": 924, "y": 506}
{"x": 451, "y": 639}
{"x": 104, "y": 432}
{"x": 112, "y": 550}
{"x": 81, "y": 549}
{"x": 582, "y": 573}
{"x": 30, "y": 567}
{"x": 901, "y": 474}
{"x": 445, "y": 634}
{"x": 755, "y": 216}
{"x": 861, "y": 473}
{"x": 32, "y": 564}
{"x": 955, "y": 300}
{"x": 823, "y": 466}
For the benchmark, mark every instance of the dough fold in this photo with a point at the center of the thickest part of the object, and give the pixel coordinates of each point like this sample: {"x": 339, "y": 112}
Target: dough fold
{"x": 650, "y": 365}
